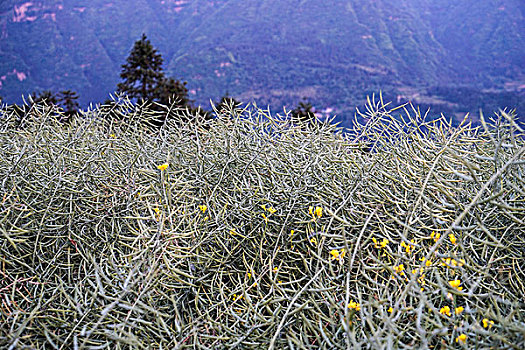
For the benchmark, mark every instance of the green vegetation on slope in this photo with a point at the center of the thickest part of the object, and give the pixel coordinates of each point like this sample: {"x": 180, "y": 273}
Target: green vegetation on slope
{"x": 247, "y": 231}
{"x": 275, "y": 53}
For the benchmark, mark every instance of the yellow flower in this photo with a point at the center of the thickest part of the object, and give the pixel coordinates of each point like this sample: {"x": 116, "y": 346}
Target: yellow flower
{"x": 435, "y": 236}
{"x": 354, "y": 305}
{"x": 449, "y": 262}
{"x": 271, "y": 210}
{"x": 315, "y": 212}
{"x": 390, "y": 309}
{"x": 162, "y": 167}
{"x": 452, "y": 238}
{"x": 421, "y": 280}
{"x": 263, "y": 207}
{"x": 335, "y": 254}
{"x": 381, "y": 244}
{"x": 203, "y": 208}
{"x": 275, "y": 269}
{"x": 408, "y": 247}
{"x": 112, "y": 136}
{"x": 445, "y": 310}
{"x": 399, "y": 269}
{"x": 459, "y": 310}
{"x": 291, "y": 233}
{"x": 313, "y": 240}
{"x": 487, "y": 323}
{"x": 264, "y": 217}
{"x": 342, "y": 253}
{"x": 461, "y": 338}
{"x": 249, "y": 275}
{"x": 455, "y": 284}
{"x": 232, "y": 232}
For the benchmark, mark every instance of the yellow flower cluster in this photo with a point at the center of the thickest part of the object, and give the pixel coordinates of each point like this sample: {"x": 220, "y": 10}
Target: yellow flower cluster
{"x": 157, "y": 213}
{"x": 337, "y": 254}
{"x": 449, "y": 262}
{"x": 236, "y": 297}
{"x": 428, "y": 263}
{"x": 271, "y": 210}
{"x": 409, "y": 247}
{"x": 445, "y": 310}
{"x": 455, "y": 284}
{"x": 316, "y": 212}
{"x": 203, "y": 208}
{"x": 399, "y": 269}
{"x": 435, "y": 236}
{"x": 353, "y": 305}
{"x": 162, "y": 167}
{"x": 381, "y": 244}
{"x": 487, "y": 323}
{"x": 461, "y": 338}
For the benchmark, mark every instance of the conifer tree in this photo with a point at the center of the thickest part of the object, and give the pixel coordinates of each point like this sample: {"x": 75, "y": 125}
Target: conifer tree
{"x": 303, "y": 114}
{"x": 172, "y": 91}
{"x": 46, "y": 96}
{"x": 227, "y": 104}
{"x": 68, "y": 101}
{"x": 142, "y": 74}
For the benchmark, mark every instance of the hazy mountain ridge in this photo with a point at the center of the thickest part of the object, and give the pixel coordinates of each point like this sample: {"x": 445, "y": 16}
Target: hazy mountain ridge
{"x": 275, "y": 52}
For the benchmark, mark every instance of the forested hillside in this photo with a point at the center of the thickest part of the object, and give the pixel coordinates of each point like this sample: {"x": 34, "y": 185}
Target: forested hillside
{"x": 331, "y": 53}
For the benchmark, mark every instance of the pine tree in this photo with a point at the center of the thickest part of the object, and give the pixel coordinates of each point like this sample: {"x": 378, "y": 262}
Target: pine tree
{"x": 68, "y": 100}
{"x": 172, "y": 91}
{"x": 227, "y": 105}
{"x": 142, "y": 73}
{"x": 46, "y": 96}
{"x": 303, "y": 114}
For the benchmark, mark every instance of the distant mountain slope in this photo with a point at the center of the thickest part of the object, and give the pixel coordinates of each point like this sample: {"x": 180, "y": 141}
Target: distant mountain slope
{"x": 332, "y": 52}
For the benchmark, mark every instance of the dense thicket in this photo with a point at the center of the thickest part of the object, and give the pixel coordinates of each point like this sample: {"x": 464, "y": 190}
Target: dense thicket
{"x": 249, "y": 231}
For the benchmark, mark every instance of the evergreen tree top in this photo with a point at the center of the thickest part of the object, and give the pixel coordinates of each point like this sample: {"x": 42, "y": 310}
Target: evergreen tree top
{"x": 142, "y": 73}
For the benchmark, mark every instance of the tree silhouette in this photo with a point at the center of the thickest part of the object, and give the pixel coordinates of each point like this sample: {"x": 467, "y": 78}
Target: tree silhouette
{"x": 142, "y": 73}
{"x": 46, "y": 96}
{"x": 172, "y": 91}
{"x": 227, "y": 104}
{"x": 68, "y": 100}
{"x": 303, "y": 114}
